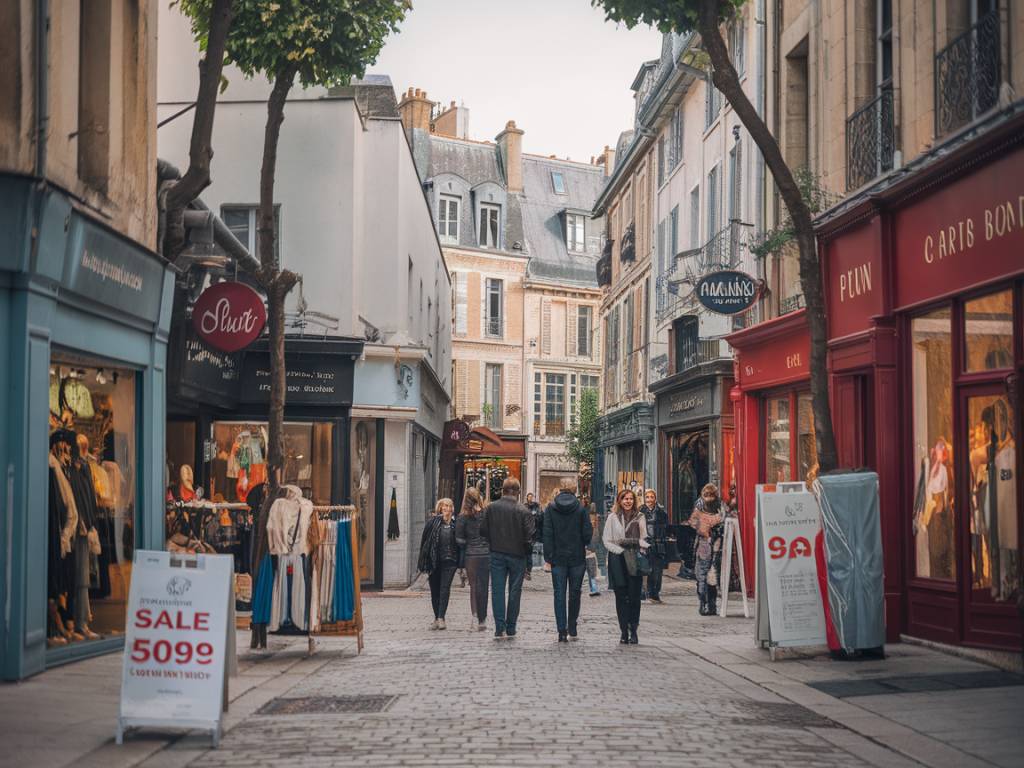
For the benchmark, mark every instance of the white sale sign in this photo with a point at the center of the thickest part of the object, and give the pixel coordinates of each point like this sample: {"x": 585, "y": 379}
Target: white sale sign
{"x": 179, "y": 631}
{"x": 789, "y": 523}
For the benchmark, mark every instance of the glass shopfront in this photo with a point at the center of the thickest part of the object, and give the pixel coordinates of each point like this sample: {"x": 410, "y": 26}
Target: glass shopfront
{"x": 790, "y": 453}
{"x": 92, "y": 499}
{"x": 364, "y": 492}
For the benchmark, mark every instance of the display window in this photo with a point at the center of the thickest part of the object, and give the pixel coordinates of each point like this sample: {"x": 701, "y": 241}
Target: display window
{"x": 92, "y": 499}
{"x": 487, "y": 475}
{"x": 690, "y": 471}
{"x": 790, "y": 451}
{"x": 364, "y": 492}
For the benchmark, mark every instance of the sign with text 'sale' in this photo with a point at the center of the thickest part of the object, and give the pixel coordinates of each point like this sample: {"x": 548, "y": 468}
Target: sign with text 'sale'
{"x": 788, "y": 521}
{"x": 229, "y": 316}
{"x": 179, "y": 638}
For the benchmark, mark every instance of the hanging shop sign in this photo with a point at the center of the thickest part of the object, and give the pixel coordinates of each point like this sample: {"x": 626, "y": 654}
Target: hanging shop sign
{"x": 728, "y": 292}
{"x": 788, "y": 521}
{"x": 179, "y": 642}
{"x": 229, "y": 316}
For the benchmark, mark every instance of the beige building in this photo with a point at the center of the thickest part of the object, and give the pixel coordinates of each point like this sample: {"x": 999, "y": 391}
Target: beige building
{"x": 522, "y": 246}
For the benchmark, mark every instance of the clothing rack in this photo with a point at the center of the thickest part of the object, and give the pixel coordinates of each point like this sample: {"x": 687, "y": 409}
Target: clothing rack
{"x": 354, "y": 627}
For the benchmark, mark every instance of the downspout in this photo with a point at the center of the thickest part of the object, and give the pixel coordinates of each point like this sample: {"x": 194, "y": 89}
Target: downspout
{"x": 42, "y": 111}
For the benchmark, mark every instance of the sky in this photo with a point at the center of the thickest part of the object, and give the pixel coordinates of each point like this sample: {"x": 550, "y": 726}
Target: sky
{"x": 556, "y": 67}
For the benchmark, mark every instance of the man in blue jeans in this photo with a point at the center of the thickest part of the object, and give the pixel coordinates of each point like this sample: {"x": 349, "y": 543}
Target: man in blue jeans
{"x": 508, "y": 527}
{"x": 567, "y": 532}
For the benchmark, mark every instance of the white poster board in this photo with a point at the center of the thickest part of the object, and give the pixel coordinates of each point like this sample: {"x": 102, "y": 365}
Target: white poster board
{"x": 733, "y": 541}
{"x": 179, "y": 632}
{"x": 788, "y": 522}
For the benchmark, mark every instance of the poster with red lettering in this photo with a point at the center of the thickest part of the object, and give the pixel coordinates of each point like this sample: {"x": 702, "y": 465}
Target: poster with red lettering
{"x": 229, "y": 316}
{"x": 788, "y": 520}
{"x": 179, "y": 633}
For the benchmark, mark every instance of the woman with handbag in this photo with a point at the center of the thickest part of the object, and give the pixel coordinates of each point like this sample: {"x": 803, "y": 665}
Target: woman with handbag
{"x": 474, "y": 555}
{"x": 439, "y": 557}
{"x": 625, "y": 537}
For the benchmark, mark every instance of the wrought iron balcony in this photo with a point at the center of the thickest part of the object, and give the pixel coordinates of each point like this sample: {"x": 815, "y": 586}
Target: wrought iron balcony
{"x": 870, "y": 140}
{"x": 627, "y": 248}
{"x": 674, "y": 287}
{"x": 967, "y": 74}
{"x": 604, "y": 265}
{"x": 791, "y": 304}
{"x": 703, "y": 351}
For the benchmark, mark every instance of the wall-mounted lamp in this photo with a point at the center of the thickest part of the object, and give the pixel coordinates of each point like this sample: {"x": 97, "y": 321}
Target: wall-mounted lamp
{"x": 735, "y": 133}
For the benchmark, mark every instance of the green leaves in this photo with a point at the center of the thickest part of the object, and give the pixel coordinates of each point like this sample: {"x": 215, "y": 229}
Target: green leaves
{"x": 325, "y": 42}
{"x": 581, "y": 440}
{"x": 664, "y": 15}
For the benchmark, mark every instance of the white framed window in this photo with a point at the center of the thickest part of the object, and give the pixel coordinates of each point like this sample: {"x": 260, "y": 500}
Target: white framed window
{"x": 494, "y": 308}
{"x": 575, "y": 235}
{"x": 673, "y": 234}
{"x": 558, "y": 182}
{"x": 492, "y": 410}
{"x": 584, "y": 327}
{"x": 711, "y": 199}
{"x": 554, "y": 404}
{"x": 490, "y": 225}
{"x": 242, "y": 221}
{"x": 737, "y": 45}
{"x": 695, "y": 217}
{"x": 662, "y": 247}
{"x": 713, "y": 102}
{"x": 662, "y": 160}
{"x": 735, "y": 181}
{"x": 538, "y": 401}
{"x": 448, "y": 212}
{"x": 676, "y": 138}
{"x": 460, "y": 295}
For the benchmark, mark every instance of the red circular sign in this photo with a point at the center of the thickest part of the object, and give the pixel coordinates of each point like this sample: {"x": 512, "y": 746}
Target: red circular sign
{"x": 229, "y": 316}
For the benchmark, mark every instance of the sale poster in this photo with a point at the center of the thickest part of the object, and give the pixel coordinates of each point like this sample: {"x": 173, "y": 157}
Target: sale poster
{"x": 176, "y": 640}
{"x": 789, "y": 523}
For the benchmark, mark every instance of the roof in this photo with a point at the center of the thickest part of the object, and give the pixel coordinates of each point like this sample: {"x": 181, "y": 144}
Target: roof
{"x": 373, "y": 94}
{"x": 543, "y": 220}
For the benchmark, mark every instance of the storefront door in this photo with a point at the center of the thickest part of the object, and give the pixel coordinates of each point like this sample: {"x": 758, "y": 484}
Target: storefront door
{"x": 689, "y": 471}
{"x": 989, "y": 532}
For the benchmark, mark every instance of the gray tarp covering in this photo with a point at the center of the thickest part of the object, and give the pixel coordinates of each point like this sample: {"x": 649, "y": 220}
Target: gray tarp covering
{"x": 853, "y": 551}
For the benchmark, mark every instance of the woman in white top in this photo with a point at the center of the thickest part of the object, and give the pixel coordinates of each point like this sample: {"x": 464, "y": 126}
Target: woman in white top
{"x": 625, "y": 534}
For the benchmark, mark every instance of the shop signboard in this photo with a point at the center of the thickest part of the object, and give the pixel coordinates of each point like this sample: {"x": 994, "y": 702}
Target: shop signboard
{"x": 179, "y": 642}
{"x": 686, "y": 404}
{"x": 229, "y": 316}
{"x": 115, "y": 272}
{"x": 198, "y": 372}
{"x": 727, "y": 292}
{"x": 310, "y": 379}
{"x": 788, "y": 521}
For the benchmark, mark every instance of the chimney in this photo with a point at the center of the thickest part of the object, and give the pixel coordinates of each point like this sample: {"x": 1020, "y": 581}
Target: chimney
{"x": 453, "y": 121}
{"x": 607, "y": 159}
{"x": 415, "y": 109}
{"x": 510, "y": 148}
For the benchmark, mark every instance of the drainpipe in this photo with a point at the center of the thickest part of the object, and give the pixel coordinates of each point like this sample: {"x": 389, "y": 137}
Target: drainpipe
{"x": 42, "y": 111}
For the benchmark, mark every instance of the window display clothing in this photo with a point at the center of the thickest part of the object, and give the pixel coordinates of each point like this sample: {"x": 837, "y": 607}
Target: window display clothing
{"x": 289, "y": 525}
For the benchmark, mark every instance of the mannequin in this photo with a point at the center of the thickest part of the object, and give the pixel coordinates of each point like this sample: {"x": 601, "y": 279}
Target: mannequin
{"x": 186, "y": 489}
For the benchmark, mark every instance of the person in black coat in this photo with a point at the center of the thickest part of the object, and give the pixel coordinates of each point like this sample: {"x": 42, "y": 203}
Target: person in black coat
{"x": 439, "y": 557}
{"x": 567, "y": 532}
{"x": 657, "y": 531}
{"x": 537, "y": 513}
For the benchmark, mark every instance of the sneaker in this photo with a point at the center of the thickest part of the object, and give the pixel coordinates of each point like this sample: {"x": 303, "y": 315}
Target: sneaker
{"x": 656, "y": 600}
{"x": 499, "y": 634}
{"x": 510, "y": 633}
{"x": 481, "y": 626}
{"x": 440, "y": 624}
{"x": 573, "y": 635}
{"x": 434, "y": 625}
{"x": 595, "y": 594}
{"x": 528, "y": 576}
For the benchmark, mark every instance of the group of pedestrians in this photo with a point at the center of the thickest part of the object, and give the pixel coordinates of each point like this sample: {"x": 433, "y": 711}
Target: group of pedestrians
{"x": 491, "y": 547}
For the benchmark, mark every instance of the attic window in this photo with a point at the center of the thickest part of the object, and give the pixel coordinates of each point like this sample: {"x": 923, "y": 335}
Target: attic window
{"x": 558, "y": 183}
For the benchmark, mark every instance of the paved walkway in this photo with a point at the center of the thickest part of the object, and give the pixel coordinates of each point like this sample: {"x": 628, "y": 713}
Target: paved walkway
{"x": 694, "y": 692}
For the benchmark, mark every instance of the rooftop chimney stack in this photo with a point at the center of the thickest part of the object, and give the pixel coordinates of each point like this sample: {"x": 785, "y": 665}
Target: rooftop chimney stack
{"x": 607, "y": 159}
{"x": 453, "y": 121}
{"x": 510, "y": 148}
{"x": 415, "y": 110}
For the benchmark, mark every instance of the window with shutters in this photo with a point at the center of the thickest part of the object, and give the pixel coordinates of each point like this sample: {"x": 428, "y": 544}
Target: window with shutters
{"x": 448, "y": 219}
{"x": 584, "y": 320}
{"x": 490, "y": 226}
{"x": 673, "y": 234}
{"x": 675, "y": 151}
{"x": 713, "y": 102}
{"x": 545, "y": 326}
{"x": 538, "y": 402}
{"x": 735, "y": 182}
{"x": 662, "y": 247}
{"x": 662, "y": 160}
{"x": 711, "y": 199}
{"x": 737, "y": 45}
{"x": 695, "y": 217}
{"x": 492, "y": 410}
{"x": 494, "y": 307}
{"x": 459, "y": 302}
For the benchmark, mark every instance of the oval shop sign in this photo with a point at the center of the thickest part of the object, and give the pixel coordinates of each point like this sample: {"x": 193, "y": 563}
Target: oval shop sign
{"x": 727, "y": 292}
{"x": 229, "y": 316}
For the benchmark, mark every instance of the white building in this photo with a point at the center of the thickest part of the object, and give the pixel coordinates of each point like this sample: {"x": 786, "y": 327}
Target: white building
{"x": 353, "y": 222}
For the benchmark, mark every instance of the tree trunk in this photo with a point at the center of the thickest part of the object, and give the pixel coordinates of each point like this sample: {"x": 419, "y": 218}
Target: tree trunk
{"x": 727, "y": 81}
{"x": 200, "y": 153}
{"x": 276, "y": 282}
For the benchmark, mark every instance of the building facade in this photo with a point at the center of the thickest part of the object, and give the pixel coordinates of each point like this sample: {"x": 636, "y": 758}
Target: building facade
{"x": 521, "y": 245}
{"x": 372, "y": 313}
{"x": 85, "y": 305}
{"x": 906, "y": 118}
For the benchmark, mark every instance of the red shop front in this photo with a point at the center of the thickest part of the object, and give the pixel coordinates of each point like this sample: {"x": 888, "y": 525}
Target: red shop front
{"x": 924, "y": 282}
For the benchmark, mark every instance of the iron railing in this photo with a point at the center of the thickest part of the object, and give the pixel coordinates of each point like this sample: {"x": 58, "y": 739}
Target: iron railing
{"x": 791, "y": 304}
{"x": 704, "y": 351}
{"x": 723, "y": 251}
{"x": 870, "y": 140}
{"x": 967, "y": 74}
{"x": 627, "y": 248}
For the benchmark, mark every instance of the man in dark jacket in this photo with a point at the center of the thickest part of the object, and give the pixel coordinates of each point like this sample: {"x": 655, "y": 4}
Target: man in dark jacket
{"x": 537, "y": 512}
{"x": 508, "y": 527}
{"x": 657, "y": 535}
{"x": 567, "y": 532}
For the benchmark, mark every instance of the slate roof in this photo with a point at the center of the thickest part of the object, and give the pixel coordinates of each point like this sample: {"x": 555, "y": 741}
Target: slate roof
{"x": 544, "y": 222}
{"x": 374, "y": 94}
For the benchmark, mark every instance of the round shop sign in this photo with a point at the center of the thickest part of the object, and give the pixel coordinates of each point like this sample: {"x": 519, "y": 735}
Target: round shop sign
{"x": 229, "y": 316}
{"x": 727, "y": 292}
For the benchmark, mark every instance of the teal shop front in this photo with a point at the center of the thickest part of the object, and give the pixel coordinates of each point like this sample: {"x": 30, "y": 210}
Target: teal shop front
{"x": 84, "y": 317}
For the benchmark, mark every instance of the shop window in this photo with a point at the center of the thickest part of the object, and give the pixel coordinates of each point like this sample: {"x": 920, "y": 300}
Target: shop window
{"x": 988, "y": 332}
{"x": 91, "y": 508}
{"x": 777, "y": 444}
{"x": 807, "y": 448}
{"x": 364, "y": 492}
{"x": 181, "y": 449}
{"x": 995, "y": 554}
{"x": 688, "y": 452}
{"x": 932, "y": 403}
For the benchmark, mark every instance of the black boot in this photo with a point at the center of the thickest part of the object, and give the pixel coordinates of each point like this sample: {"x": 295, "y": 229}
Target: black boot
{"x": 624, "y": 639}
{"x": 712, "y": 601}
{"x": 703, "y": 604}
{"x": 563, "y": 636}
{"x": 632, "y": 635}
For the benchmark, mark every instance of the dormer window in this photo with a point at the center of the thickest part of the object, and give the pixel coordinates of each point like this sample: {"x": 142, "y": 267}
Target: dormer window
{"x": 558, "y": 183}
{"x": 575, "y": 232}
{"x": 490, "y": 216}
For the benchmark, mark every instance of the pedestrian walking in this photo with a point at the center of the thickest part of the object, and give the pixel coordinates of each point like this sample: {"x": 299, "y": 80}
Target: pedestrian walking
{"x": 439, "y": 557}
{"x": 475, "y": 555}
{"x": 657, "y": 529}
{"x": 706, "y": 521}
{"x": 567, "y": 532}
{"x": 507, "y": 526}
{"x": 592, "y": 567}
{"x": 537, "y": 513}
{"x": 625, "y": 537}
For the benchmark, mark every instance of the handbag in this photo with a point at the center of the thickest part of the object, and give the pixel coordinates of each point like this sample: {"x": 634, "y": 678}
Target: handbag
{"x": 93, "y": 537}
{"x": 643, "y": 563}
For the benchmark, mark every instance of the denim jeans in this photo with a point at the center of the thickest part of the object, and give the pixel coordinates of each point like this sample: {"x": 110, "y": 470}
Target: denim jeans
{"x": 595, "y": 588}
{"x": 510, "y": 569}
{"x": 573, "y": 576}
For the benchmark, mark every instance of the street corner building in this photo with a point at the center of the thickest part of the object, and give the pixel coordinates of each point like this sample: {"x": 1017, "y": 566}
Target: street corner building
{"x": 85, "y": 308}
